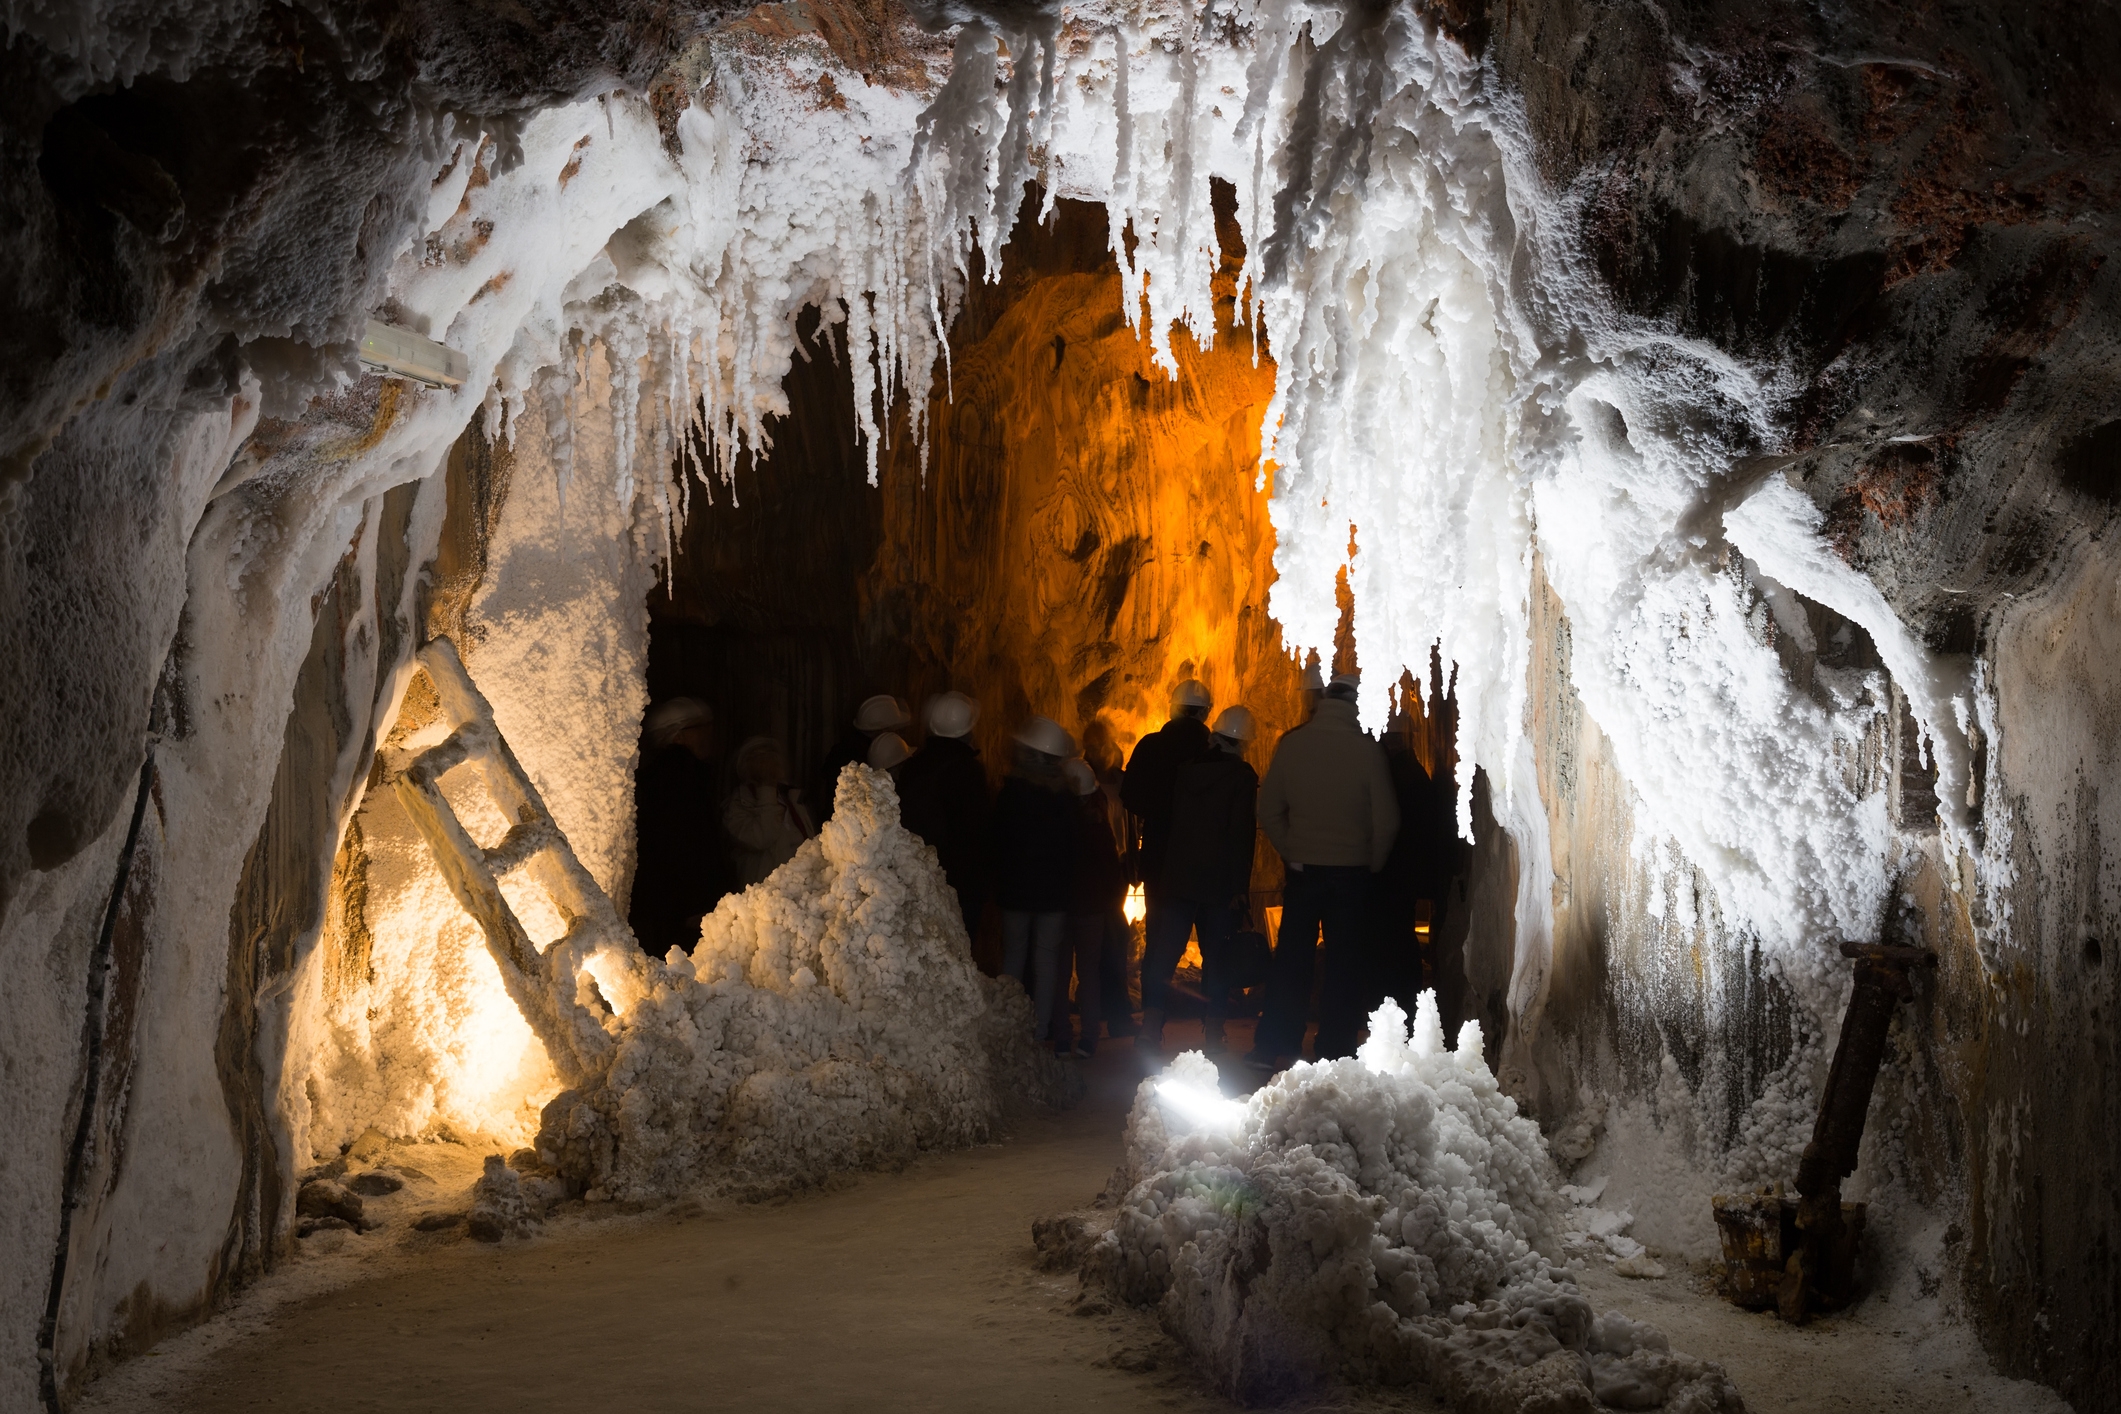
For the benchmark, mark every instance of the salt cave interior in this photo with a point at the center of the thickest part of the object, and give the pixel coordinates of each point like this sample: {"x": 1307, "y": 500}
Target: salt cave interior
{"x": 1698, "y": 421}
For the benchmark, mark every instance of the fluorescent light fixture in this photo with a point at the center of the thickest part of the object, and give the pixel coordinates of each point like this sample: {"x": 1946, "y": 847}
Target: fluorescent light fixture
{"x": 389, "y": 349}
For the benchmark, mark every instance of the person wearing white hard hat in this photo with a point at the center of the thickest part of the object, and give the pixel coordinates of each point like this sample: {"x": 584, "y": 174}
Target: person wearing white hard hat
{"x": 1419, "y": 870}
{"x": 1152, "y": 775}
{"x": 1034, "y": 859}
{"x": 889, "y": 752}
{"x": 878, "y": 714}
{"x": 765, "y": 816}
{"x": 682, "y": 867}
{"x": 943, "y": 797}
{"x": 1203, "y": 877}
{"x": 1328, "y": 807}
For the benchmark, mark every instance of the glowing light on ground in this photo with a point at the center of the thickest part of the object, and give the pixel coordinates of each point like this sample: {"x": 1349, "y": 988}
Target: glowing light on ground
{"x": 1202, "y": 1107}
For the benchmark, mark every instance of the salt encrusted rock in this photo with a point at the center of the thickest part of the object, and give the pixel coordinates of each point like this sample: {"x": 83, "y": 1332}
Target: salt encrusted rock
{"x": 375, "y": 1183}
{"x": 498, "y": 1209}
{"x": 371, "y": 1144}
{"x": 1380, "y": 1218}
{"x": 829, "y": 1018}
{"x": 327, "y": 1198}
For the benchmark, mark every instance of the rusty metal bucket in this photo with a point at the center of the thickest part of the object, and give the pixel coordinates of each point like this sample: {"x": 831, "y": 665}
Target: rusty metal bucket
{"x": 1760, "y": 1235}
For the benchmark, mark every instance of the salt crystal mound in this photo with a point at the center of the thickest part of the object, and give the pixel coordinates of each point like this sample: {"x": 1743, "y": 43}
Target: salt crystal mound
{"x": 829, "y": 1018}
{"x": 1380, "y": 1219}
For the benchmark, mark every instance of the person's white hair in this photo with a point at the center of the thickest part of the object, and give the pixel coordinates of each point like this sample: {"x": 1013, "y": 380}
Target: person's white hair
{"x": 667, "y": 718}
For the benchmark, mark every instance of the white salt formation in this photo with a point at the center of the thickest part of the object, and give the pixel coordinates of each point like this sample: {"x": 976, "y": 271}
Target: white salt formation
{"x": 1381, "y": 1218}
{"x": 830, "y": 1018}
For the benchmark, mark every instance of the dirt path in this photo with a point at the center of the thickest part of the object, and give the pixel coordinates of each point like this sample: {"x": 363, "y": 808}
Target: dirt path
{"x": 914, "y": 1290}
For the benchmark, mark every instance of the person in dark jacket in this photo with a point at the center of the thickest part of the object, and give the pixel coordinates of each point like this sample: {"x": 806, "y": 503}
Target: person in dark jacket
{"x": 876, "y": 715}
{"x": 764, "y": 818}
{"x": 1204, "y": 873}
{"x": 1035, "y": 836}
{"x": 1327, "y": 808}
{"x": 943, "y": 798}
{"x": 1146, "y": 790}
{"x": 1412, "y": 873}
{"x": 1152, "y": 774}
{"x": 1093, "y": 907}
{"x": 683, "y": 861}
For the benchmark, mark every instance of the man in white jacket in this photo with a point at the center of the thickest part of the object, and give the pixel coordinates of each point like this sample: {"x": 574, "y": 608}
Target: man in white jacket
{"x": 1328, "y": 807}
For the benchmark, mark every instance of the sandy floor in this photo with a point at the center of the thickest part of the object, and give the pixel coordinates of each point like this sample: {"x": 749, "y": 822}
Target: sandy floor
{"x": 901, "y": 1291}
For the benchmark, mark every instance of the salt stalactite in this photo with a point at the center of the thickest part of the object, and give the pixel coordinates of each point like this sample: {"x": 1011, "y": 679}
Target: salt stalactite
{"x": 1383, "y": 1217}
{"x": 1457, "y": 395}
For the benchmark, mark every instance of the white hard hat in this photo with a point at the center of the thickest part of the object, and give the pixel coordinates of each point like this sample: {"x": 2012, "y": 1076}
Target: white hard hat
{"x": 1191, "y": 693}
{"x": 951, "y": 714}
{"x": 1313, "y": 681}
{"x": 881, "y": 713}
{"x": 1235, "y": 723}
{"x": 1046, "y": 735}
{"x": 888, "y": 750}
{"x": 666, "y": 719}
{"x": 1081, "y": 778}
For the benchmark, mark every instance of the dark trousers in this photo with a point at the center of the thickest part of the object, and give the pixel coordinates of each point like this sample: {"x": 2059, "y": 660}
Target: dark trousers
{"x": 1170, "y": 922}
{"x": 1113, "y": 962}
{"x": 1332, "y": 896}
{"x": 1086, "y": 940}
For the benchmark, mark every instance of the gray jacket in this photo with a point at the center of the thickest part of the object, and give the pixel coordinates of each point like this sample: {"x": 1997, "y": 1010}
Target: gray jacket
{"x": 1328, "y": 796}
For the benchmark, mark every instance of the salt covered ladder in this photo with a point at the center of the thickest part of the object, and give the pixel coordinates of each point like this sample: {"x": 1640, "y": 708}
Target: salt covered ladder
{"x": 566, "y": 993}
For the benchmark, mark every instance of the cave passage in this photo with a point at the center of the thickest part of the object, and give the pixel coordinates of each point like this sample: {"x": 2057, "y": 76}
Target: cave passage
{"x": 1073, "y": 534}
{"x": 556, "y": 626}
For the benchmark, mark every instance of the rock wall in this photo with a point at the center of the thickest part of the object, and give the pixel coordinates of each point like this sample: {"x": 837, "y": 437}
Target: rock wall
{"x": 545, "y": 588}
{"x": 1900, "y": 208}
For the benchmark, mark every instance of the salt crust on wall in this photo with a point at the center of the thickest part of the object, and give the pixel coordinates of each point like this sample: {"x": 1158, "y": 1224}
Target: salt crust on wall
{"x": 1442, "y": 280}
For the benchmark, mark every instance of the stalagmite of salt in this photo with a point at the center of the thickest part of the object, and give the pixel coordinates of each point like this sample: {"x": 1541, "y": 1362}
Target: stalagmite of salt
{"x": 1470, "y": 1048}
{"x": 1428, "y": 1026}
{"x": 1384, "y": 1217}
{"x": 829, "y": 1017}
{"x": 1385, "y": 1050}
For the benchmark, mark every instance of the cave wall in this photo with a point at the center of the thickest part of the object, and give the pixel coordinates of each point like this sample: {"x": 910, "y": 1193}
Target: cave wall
{"x": 1904, "y": 209}
{"x": 183, "y": 1192}
{"x": 544, "y": 584}
{"x": 2035, "y": 1070}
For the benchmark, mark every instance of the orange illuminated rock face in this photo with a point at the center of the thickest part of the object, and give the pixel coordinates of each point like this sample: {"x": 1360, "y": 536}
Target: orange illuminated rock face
{"x": 1088, "y": 531}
